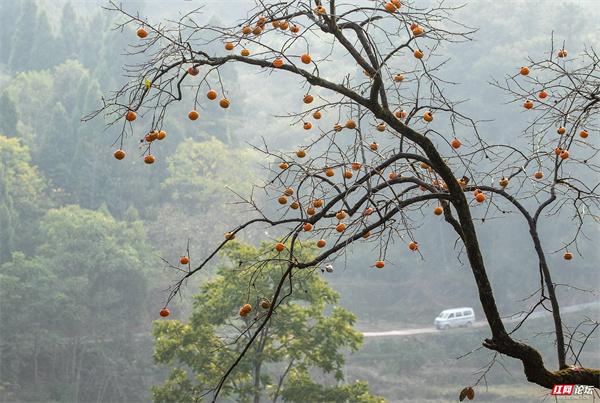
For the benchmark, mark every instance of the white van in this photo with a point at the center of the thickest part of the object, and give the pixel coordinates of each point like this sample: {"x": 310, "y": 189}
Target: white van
{"x": 456, "y": 317}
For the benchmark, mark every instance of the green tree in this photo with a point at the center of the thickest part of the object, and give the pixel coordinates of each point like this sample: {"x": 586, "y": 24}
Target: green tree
{"x": 72, "y": 314}
{"x": 22, "y": 198}
{"x": 197, "y": 193}
{"x": 8, "y": 116}
{"x": 308, "y": 334}
{"x": 199, "y": 173}
{"x": 21, "y": 57}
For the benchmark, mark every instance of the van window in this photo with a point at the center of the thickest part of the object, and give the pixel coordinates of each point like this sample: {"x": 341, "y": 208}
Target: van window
{"x": 458, "y": 314}
{"x": 467, "y": 313}
{"x": 450, "y": 316}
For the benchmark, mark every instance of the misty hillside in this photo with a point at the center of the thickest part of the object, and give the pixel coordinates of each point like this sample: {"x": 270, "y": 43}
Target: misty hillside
{"x": 87, "y": 242}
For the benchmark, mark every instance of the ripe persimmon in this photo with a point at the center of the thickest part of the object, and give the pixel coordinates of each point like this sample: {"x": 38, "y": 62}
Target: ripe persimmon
{"x": 413, "y": 246}
{"x": 193, "y": 70}
{"x": 279, "y": 247}
{"x": 503, "y": 182}
{"x": 320, "y": 10}
{"x": 316, "y": 115}
{"x": 284, "y": 25}
{"x": 366, "y": 234}
{"x": 368, "y": 211}
{"x": 564, "y": 154}
{"x": 245, "y": 310}
{"x": 562, "y": 53}
{"x": 379, "y": 264}
{"x": 456, "y": 143}
{"x": 307, "y": 227}
{"x": 257, "y": 30}
{"x": 337, "y": 127}
{"x": 295, "y": 205}
{"x": 119, "y": 154}
{"x": 542, "y": 94}
{"x": 373, "y": 146}
{"x": 311, "y": 211}
{"x": 150, "y": 137}
{"x": 561, "y": 130}
{"x": 142, "y": 33}
{"x": 350, "y": 124}
{"x": 480, "y": 197}
{"x": 318, "y": 203}
{"x": 246, "y": 30}
{"x": 229, "y": 46}
{"x": 401, "y": 114}
{"x": 131, "y": 116}
{"x": 308, "y": 99}
{"x": 329, "y": 172}
{"x": 347, "y": 174}
{"x": 524, "y": 71}
{"x": 193, "y": 115}
{"x": 230, "y": 236}
{"x": 224, "y": 103}
{"x": 245, "y": 52}
{"x": 538, "y": 175}
{"x": 300, "y": 153}
{"x": 321, "y": 243}
{"x": 557, "y": 151}
{"x": 418, "y": 31}
{"x": 305, "y": 58}
{"x": 149, "y": 159}
{"x": 307, "y": 125}
{"x": 282, "y": 200}
{"x": 390, "y": 7}
{"x": 380, "y": 127}
{"x": 265, "y": 304}
{"x": 277, "y": 63}
{"x": 212, "y": 95}
{"x": 164, "y": 312}
{"x": 528, "y": 104}
{"x": 356, "y": 166}
{"x": 340, "y": 215}
{"x": 295, "y": 29}
{"x": 283, "y": 165}
{"x": 341, "y": 227}
{"x": 568, "y": 256}
{"x": 438, "y": 210}
{"x": 428, "y": 116}
{"x": 161, "y": 135}
{"x": 418, "y": 54}
{"x": 184, "y": 260}
{"x": 288, "y": 191}
{"x": 398, "y": 78}
{"x": 583, "y": 134}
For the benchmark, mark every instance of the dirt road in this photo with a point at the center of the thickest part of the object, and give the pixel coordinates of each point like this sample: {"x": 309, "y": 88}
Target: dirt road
{"x": 512, "y": 319}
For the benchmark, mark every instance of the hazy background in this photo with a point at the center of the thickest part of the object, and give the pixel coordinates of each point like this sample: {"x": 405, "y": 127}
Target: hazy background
{"x": 81, "y": 233}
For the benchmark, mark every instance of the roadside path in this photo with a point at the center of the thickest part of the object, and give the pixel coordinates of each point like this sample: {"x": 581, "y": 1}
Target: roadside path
{"x": 534, "y": 315}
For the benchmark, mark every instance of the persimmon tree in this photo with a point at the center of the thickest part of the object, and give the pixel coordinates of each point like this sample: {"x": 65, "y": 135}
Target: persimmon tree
{"x": 383, "y": 145}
